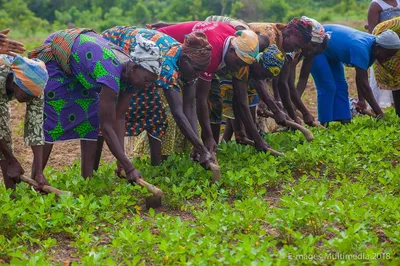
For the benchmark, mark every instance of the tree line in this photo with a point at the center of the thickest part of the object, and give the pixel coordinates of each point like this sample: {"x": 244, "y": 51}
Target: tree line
{"x": 31, "y": 16}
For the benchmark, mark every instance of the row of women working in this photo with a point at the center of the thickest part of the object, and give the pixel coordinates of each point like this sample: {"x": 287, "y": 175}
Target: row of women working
{"x": 79, "y": 85}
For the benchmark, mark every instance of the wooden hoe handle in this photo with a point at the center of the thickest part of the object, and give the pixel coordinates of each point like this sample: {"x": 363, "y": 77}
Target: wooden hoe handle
{"x": 307, "y": 133}
{"x": 151, "y": 188}
{"x": 45, "y": 188}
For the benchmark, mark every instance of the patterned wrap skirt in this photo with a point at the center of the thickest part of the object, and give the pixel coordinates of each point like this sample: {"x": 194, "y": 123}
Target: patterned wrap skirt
{"x": 71, "y": 101}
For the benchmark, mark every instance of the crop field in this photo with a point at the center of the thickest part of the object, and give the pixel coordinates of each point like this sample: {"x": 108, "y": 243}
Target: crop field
{"x": 333, "y": 201}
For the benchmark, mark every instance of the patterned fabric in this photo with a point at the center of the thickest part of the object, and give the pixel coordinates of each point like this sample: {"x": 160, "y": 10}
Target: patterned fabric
{"x": 29, "y": 74}
{"x": 388, "y": 74}
{"x": 146, "y": 113}
{"x": 227, "y": 95}
{"x": 242, "y": 74}
{"x": 383, "y": 97}
{"x": 353, "y": 107}
{"x": 59, "y": 48}
{"x": 318, "y": 32}
{"x": 215, "y": 101}
{"x": 246, "y": 45}
{"x": 125, "y": 37}
{"x": 389, "y": 14}
{"x": 274, "y": 33}
{"x": 301, "y": 27}
{"x": 71, "y": 101}
{"x": 147, "y": 54}
{"x": 148, "y": 106}
{"x": 218, "y": 35}
{"x": 228, "y": 20}
{"x": 388, "y": 11}
{"x": 172, "y": 141}
{"x": 33, "y": 127}
{"x": 220, "y": 97}
{"x": 272, "y": 59}
{"x": 272, "y": 30}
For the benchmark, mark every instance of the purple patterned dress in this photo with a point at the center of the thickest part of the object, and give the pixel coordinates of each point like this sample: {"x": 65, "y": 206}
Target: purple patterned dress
{"x": 71, "y": 101}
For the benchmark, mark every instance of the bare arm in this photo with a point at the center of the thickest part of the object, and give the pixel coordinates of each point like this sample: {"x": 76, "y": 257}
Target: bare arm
{"x": 6, "y": 150}
{"x": 284, "y": 91}
{"x": 38, "y": 159}
{"x": 189, "y": 105}
{"x": 373, "y": 16}
{"x": 14, "y": 169}
{"x": 37, "y": 167}
{"x": 304, "y": 74}
{"x": 119, "y": 123}
{"x": 242, "y": 110}
{"x": 8, "y": 46}
{"x": 202, "y": 90}
{"x": 364, "y": 90}
{"x": 260, "y": 87}
{"x": 307, "y": 116}
{"x": 275, "y": 89}
{"x": 175, "y": 103}
{"x": 108, "y": 116}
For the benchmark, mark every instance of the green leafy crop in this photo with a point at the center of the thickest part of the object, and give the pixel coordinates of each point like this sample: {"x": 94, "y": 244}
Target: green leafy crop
{"x": 333, "y": 201}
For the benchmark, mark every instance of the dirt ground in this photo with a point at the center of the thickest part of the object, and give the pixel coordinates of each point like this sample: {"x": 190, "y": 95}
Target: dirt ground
{"x": 65, "y": 154}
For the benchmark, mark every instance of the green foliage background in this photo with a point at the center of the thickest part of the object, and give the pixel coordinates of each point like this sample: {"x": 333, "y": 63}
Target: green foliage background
{"x": 30, "y": 17}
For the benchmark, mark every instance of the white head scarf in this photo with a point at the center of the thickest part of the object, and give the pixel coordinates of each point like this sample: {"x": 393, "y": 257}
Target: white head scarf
{"x": 318, "y": 32}
{"x": 388, "y": 39}
{"x": 147, "y": 55}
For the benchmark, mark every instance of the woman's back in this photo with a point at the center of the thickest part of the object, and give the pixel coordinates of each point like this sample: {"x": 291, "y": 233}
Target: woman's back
{"x": 388, "y": 11}
{"x": 349, "y": 46}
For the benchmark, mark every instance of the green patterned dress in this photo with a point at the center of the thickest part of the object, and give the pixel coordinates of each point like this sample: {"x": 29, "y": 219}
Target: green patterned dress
{"x": 33, "y": 127}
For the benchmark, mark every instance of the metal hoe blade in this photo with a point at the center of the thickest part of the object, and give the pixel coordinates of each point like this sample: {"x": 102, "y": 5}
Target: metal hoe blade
{"x": 153, "y": 202}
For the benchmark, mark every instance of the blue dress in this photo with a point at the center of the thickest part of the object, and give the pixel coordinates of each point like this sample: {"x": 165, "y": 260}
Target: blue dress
{"x": 349, "y": 47}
